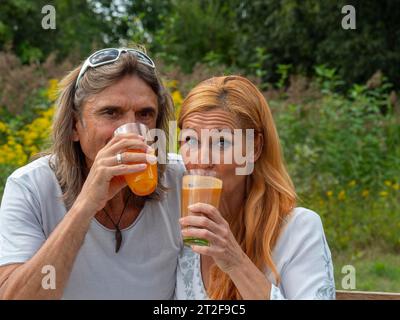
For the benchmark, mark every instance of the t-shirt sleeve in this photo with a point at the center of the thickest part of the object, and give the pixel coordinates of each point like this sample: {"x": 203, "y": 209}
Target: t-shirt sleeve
{"x": 21, "y": 232}
{"x": 308, "y": 272}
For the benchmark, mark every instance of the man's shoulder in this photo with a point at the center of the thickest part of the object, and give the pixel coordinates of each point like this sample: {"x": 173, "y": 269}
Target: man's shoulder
{"x": 174, "y": 158}
{"x": 175, "y": 163}
{"x": 174, "y": 170}
{"x": 38, "y": 170}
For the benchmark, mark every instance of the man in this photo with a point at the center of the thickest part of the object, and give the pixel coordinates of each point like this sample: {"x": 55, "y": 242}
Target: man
{"x": 69, "y": 226}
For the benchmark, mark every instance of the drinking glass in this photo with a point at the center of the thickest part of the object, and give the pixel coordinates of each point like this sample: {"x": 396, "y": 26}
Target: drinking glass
{"x": 199, "y": 185}
{"x": 145, "y": 182}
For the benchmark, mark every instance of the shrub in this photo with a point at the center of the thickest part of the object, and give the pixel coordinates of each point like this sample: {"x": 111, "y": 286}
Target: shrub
{"x": 343, "y": 153}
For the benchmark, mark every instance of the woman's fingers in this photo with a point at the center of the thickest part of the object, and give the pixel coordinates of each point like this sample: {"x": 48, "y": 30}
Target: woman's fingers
{"x": 212, "y": 238}
{"x": 200, "y": 222}
{"x": 208, "y": 210}
{"x": 207, "y": 251}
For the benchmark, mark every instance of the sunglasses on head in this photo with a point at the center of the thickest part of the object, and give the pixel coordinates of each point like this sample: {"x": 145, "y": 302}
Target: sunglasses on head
{"x": 110, "y": 55}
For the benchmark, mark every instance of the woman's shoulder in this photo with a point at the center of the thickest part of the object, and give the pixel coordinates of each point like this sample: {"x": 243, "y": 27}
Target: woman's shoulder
{"x": 303, "y": 257}
{"x": 306, "y": 218}
{"x": 301, "y": 226}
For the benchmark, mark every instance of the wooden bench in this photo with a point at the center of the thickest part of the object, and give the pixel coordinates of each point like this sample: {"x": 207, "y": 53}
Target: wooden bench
{"x": 366, "y": 295}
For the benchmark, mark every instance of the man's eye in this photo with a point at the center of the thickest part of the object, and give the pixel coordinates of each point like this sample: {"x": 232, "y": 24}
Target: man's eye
{"x": 110, "y": 112}
{"x": 145, "y": 115}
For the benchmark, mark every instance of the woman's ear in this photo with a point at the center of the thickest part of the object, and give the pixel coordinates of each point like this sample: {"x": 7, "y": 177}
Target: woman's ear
{"x": 258, "y": 145}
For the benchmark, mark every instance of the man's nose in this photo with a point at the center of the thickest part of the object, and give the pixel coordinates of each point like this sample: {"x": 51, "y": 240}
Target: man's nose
{"x": 131, "y": 117}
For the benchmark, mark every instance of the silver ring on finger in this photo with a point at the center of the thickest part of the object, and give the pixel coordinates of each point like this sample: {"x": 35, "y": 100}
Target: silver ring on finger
{"x": 119, "y": 158}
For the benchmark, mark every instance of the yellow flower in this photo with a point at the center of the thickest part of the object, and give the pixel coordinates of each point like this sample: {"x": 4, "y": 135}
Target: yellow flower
{"x": 52, "y": 90}
{"x": 32, "y": 135}
{"x": 365, "y": 193}
{"x": 171, "y": 84}
{"x": 177, "y": 97}
{"x": 396, "y": 186}
{"x": 342, "y": 195}
{"x": 383, "y": 194}
{"x": 388, "y": 183}
{"x": 329, "y": 193}
{"x": 352, "y": 183}
{"x": 12, "y": 153}
{"x": 29, "y": 137}
{"x": 33, "y": 150}
{"x": 49, "y": 113}
{"x": 3, "y": 127}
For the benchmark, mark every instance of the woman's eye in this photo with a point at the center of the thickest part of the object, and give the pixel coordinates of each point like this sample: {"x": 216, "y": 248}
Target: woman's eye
{"x": 223, "y": 144}
{"x": 191, "y": 141}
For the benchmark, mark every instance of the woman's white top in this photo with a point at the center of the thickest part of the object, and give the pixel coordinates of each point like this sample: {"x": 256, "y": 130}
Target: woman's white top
{"x": 301, "y": 255}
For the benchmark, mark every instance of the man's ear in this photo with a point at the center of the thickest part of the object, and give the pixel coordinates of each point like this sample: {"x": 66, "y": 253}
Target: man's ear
{"x": 258, "y": 145}
{"x": 75, "y": 134}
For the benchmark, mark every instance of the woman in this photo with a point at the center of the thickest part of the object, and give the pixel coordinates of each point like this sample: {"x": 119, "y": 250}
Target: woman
{"x": 260, "y": 245}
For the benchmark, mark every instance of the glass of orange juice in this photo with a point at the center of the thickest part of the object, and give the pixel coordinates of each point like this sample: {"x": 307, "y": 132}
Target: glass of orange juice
{"x": 199, "y": 185}
{"x": 145, "y": 182}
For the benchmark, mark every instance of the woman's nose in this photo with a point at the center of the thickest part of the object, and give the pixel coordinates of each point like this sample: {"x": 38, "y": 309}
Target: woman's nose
{"x": 205, "y": 157}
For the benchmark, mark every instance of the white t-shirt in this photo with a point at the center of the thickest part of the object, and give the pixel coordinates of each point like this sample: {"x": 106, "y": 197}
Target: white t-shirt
{"x": 145, "y": 266}
{"x": 301, "y": 255}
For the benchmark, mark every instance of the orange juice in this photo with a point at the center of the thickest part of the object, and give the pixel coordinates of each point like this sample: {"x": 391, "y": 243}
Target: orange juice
{"x": 197, "y": 188}
{"x": 144, "y": 182}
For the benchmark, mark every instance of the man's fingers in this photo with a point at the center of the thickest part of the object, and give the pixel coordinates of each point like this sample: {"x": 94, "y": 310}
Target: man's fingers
{"x": 127, "y": 144}
{"x": 123, "y": 142}
{"x": 129, "y": 158}
{"x": 125, "y": 169}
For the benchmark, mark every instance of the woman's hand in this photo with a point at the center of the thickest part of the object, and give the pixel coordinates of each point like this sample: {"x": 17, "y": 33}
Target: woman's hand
{"x": 105, "y": 178}
{"x": 206, "y": 222}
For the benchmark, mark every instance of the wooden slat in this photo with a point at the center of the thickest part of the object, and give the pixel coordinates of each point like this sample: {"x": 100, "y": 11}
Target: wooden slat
{"x": 366, "y": 295}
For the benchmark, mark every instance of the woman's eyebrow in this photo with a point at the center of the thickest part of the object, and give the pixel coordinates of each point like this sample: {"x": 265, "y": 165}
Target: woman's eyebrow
{"x": 228, "y": 130}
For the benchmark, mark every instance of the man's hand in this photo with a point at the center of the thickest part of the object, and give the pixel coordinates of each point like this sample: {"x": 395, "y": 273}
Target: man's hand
{"x": 105, "y": 178}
